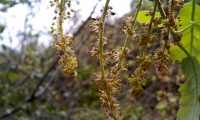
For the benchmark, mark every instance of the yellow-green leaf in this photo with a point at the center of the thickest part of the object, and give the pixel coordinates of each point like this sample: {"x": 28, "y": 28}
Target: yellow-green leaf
{"x": 143, "y": 18}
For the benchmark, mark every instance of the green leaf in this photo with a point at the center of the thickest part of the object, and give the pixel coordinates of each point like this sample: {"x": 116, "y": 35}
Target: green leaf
{"x": 185, "y": 18}
{"x": 190, "y": 91}
{"x": 185, "y": 15}
{"x": 143, "y": 18}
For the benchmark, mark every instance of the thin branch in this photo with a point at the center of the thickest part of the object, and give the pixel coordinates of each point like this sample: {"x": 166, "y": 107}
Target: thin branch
{"x": 86, "y": 21}
{"x": 82, "y": 27}
{"x": 53, "y": 65}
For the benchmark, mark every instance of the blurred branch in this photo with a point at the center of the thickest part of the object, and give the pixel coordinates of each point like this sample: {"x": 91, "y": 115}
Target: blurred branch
{"x": 82, "y": 27}
{"x": 29, "y": 100}
{"x": 34, "y": 94}
{"x": 86, "y": 21}
{"x": 24, "y": 37}
{"x": 81, "y": 44}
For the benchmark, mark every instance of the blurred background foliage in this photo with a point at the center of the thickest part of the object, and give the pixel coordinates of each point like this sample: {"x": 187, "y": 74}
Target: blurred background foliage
{"x": 32, "y": 86}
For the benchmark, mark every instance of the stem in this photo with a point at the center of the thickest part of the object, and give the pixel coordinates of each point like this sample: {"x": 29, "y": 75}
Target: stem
{"x": 193, "y": 9}
{"x": 127, "y": 38}
{"x": 195, "y": 22}
{"x": 191, "y": 47}
{"x": 150, "y": 27}
{"x": 162, "y": 13}
{"x": 183, "y": 49}
{"x": 184, "y": 29}
{"x": 192, "y": 28}
{"x": 136, "y": 14}
{"x": 101, "y": 60}
{"x": 172, "y": 7}
{"x": 168, "y": 27}
{"x": 60, "y": 21}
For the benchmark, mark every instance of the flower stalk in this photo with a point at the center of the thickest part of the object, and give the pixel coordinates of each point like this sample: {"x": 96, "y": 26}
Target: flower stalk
{"x": 101, "y": 31}
{"x": 149, "y": 28}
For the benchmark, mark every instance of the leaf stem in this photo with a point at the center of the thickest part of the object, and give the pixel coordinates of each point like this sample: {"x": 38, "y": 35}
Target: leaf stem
{"x": 193, "y": 9}
{"x": 183, "y": 49}
{"x": 184, "y": 29}
{"x": 192, "y": 40}
{"x": 195, "y": 22}
{"x": 192, "y": 28}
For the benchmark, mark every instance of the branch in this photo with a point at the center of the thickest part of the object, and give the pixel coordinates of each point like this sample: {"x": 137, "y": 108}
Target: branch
{"x": 42, "y": 80}
{"x": 33, "y": 94}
